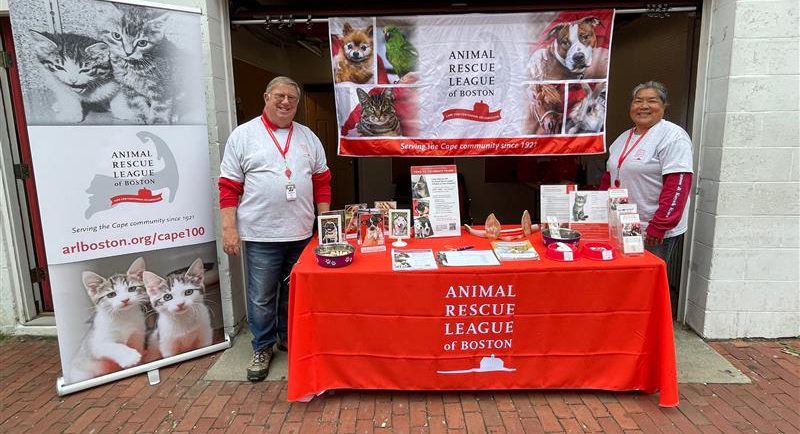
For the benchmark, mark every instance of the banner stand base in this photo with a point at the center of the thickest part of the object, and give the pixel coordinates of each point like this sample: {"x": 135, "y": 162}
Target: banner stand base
{"x": 65, "y": 389}
{"x": 154, "y": 377}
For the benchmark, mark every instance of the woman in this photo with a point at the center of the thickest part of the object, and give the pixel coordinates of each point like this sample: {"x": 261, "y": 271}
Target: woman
{"x": 653, "y": 160}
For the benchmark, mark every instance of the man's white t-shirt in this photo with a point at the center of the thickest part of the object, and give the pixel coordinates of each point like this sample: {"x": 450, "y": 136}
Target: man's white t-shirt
{"x": 251, "y": 157}
{"x": 666, "y": 148}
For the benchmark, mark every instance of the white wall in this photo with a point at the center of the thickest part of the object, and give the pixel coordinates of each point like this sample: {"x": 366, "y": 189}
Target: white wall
{"x": 8, "y": 270}
{"x": 744, "y": 277}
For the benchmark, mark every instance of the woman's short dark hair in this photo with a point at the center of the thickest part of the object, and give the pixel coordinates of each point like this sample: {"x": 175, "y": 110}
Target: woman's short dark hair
{"x": 657, "y": 86}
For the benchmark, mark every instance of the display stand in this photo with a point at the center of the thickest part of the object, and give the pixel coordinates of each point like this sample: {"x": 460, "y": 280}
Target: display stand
{"x": 398, "y": 242}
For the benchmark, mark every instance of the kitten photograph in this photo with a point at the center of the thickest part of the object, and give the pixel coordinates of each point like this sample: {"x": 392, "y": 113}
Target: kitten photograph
{"x": 143, "y": 62}
{"x": 578, "y": 213}
{"x": 378, "y": 115}
{"x": 116, "y": 337}
{"x": 78, "y": 71}
{"x": 184, "y": 322}
{"x": 106, "y": 63}
{"x": 354, "y": 60}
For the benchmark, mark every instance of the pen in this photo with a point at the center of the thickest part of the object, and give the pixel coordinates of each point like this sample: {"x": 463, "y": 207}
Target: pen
{"x": 458, "y": 249}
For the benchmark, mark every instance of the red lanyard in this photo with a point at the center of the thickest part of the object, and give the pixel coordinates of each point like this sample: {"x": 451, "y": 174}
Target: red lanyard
{"x": 283, "y": 151}
{"x": 626, "y": 151}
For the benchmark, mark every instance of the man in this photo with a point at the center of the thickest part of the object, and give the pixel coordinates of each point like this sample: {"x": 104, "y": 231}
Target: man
{"x": 272, "y": 174}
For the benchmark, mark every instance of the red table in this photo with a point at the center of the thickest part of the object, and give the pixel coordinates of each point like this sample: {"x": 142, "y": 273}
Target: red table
{"x": 536, "y": 325}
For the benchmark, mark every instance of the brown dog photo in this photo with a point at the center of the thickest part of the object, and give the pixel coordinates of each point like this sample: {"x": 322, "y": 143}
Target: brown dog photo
{"x": 354, "y": 60}
{"x": 571, "y": 51}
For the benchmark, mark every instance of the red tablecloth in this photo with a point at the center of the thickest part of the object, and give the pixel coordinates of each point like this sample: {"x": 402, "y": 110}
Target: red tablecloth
{"x": 537, "y": 325}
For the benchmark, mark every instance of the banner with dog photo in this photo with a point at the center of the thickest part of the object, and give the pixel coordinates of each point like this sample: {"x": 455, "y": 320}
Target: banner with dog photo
{"x": 472, "y": 85}
{"x": 115, "y": 106}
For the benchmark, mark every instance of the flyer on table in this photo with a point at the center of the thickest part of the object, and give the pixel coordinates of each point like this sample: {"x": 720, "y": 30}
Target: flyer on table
{"x": 434, "y": 199}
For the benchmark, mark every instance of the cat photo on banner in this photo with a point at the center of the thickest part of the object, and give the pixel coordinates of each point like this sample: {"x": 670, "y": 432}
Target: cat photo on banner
{"x": 378, "y": 111}
{"x": 130, "y": 67}
{"x": 134, "y": 309}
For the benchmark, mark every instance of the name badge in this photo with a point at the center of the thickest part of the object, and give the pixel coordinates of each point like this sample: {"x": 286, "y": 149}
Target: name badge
{"x": 291, "y": 191}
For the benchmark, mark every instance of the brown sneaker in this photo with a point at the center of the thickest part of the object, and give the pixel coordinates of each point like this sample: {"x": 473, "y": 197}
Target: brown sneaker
{"x": 259, "y": 366}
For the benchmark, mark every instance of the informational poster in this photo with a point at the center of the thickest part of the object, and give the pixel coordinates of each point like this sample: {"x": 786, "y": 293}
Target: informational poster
{"x": 472, "y": 85}
{"x": 554, "y": 200}
{"x": 115, "y": 107}
{"x": 589, "y": 214}
{"x": 434, "y": 201}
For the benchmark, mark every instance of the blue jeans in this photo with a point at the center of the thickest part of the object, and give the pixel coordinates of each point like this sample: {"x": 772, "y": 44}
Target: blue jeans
{"x": 268, "y": 269}
{"x": 664, "y": 250}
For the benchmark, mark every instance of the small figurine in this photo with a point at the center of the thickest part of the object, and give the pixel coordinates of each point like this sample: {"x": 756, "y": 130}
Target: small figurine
{"x": 493, "y": 231}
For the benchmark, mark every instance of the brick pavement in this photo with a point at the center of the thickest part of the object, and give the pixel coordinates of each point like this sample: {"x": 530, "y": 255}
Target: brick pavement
{"x": 184, "y": 402}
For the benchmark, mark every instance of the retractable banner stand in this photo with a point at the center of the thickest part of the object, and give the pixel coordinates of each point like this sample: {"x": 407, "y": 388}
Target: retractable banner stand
{"x": 115, "y": 107}
{"x": 472, "y": 85}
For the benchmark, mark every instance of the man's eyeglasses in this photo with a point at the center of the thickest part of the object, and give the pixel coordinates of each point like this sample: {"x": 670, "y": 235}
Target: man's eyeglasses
{"x": 280, "y": 97}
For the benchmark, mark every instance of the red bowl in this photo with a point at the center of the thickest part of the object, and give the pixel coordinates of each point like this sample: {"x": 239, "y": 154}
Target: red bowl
{"x": 556, "y": 254}
{"x": 598, "y": 251}
{"x": 335, "y": 255}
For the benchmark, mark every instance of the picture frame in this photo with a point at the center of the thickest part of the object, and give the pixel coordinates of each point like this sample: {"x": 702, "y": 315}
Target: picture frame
{"x": 399, "y": 225}
{"x": 329, "y": 229}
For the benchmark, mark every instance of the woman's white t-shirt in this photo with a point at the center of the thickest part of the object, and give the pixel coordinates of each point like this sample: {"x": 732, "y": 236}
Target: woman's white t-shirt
{"x": 666, "y": 148}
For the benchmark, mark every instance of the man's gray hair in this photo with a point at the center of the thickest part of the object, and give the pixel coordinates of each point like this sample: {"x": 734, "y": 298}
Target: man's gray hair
{"x": 657, "y": 86}
{"x": 277, "y": 81}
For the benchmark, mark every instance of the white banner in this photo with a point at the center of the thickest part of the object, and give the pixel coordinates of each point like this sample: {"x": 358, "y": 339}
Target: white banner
{"x": 472, "y": 85}
{"x": 121, "y": 189}
{"x": 115, "y": 106}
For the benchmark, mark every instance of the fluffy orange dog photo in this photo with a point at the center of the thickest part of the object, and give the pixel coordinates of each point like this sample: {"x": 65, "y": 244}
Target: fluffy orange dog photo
{"x": 354, "y": 59}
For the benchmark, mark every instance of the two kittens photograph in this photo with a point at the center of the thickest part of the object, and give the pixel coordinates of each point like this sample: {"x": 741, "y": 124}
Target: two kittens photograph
{"x": 108, "y": 63}
{"x": 138, "y": 316}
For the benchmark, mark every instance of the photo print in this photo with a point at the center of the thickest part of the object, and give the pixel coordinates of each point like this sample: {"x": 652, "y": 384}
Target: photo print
{"x": 400, "y": 223}
{"x": 586, "y": 112}
{"x": 94, "y": 62}
{"x": 384, "y": 206}
{"x": 422, "y": 222}
{"x": 123, "y": 311}
{"x": 371, "y": 231}
{"x": 419, "y": 187}
{"x": 377, "y": 111}
{"x": 574, "y": 46}
{"x": 329, "y": 229}
{"x": 397, "y": 52}
{"x": 353, "y": 50}
{"x": 546, "y": 109}
{"x": 350, "y": 223}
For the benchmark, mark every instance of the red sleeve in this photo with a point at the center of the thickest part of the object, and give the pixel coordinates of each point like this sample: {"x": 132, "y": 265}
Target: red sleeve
{"x": 671, "y": 203}
{"x": 605, "y": 181}
{"x": 322, "y": 186}
{"x": 229, "y": 192}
